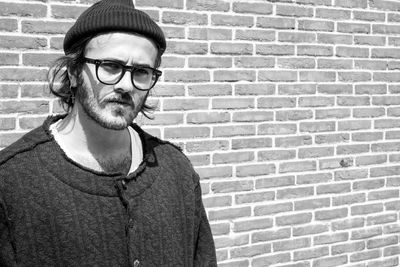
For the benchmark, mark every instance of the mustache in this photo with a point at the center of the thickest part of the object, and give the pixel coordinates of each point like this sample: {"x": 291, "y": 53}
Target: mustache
{"x": 120, "y": 98}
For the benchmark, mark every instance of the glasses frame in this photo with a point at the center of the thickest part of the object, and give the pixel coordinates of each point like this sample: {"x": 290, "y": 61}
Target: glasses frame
{"x": 97, "y": 62}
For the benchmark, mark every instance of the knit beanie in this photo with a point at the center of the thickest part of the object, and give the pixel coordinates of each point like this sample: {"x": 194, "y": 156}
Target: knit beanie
{"x": 114, "y": 15}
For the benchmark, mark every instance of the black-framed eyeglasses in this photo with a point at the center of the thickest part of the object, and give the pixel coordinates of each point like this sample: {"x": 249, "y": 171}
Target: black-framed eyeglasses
{"x": 110, "y": 72}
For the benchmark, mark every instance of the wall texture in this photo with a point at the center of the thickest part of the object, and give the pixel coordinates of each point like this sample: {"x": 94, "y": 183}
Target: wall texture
{"x": 289, "y": 109}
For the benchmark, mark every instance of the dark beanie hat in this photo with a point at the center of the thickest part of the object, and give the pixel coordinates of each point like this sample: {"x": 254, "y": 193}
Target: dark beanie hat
{"x": 114, "y": 15}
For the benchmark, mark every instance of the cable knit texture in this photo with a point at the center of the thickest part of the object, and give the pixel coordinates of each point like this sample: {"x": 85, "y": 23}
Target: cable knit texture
{"x": 56, "y": 212}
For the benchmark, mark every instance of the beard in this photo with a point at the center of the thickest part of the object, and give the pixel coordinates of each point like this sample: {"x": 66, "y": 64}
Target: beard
{"x": 115, "y": 113}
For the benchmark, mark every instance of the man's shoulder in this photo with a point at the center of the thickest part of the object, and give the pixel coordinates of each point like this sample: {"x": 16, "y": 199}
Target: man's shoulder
{"x": 25, "y": 144}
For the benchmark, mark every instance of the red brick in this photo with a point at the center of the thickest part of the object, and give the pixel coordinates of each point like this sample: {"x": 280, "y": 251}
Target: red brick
{"x": 162, "y": 90}
{"x": 268, "y": 210}
{"x": 368, "y": 112}
{"x": 254, "y": 197}
{"x": 9, "y": 59}
{"x": 315, "y": 2}
{"x": 334, "y": 38}
{"x": 217, "y": 201}
{"x": 56, "y": 43}
{"x": 9, "y": 25}
{"x": 270, "y": 235}
{"x": 352, "y": 4}
{"x": 297, "y": 89}
{"x": 252, "y": 116}
{"x": 238, "y": 240}
{"x": 186, "y": 48}
{"x": 371, "y": 89}
{"x": 201, "y": 146}
{"x": 254, "y": 62}
{"x": 386, "y": 77}
{"x": 254, "y": 8}
{"x": 348, "y": 247}
{"x": 293, "y": 219}
{"x": 7, "y": 139}
{"x": 257, "y": 142}
{"x": 207, "y": 117}
{"x": 66, "y": 11}
{"x": 365, "y": 209}
{"x": 311, "y": 253}
{"x": 313, "y": 178}
{"x": 186, "y": 132}
{"x": 254, "y": 89}
{"x": 365, "y": 255}
{"x": 171, "y": 32}
{"x": 160, "y": 3}
{"x": 209, "y": 90}
{"x": 328, "y": 63}
{"x": 297, "y": 166}
{"x": 39, "y": 59}
{"x": 353, "y": 100}
{"x": 369, "y": 40}
{"x": 231, "y": 48}
{"x": 280, "y": 181}
{"x": 293, "y": 141}
{"x": 199, "y": 160}
{"x": 293, "y": 115}
{"x": 330, "y": 261}
{"x": 368, "y": 185}
{"x": 353, "y": 125}
{"x": 316, "y": 25}
{"x": 22, "y": 42}
{"x": 312, "y": 204}
{"x": 232, "y": 103}
{"x": 185, "y": 104}
{"x": 238, "y": 130}
{"x": 7, "y": 123}
{"x": 345, "y": 224}
{"x": 209, "y": 34}
{"x": 255, "y": 170}
{"x": 297, "y": 37}
{"x": 252, "y": 224}
{"x": 338, "y": 113}
{"x": 335, "y": 89}
{"x": 369, "y": 16}
{"x": 24, "y": 107}
{"x": 231, "y": 213}
{"x": 330, "y": 238}
{"x": 296, "y": 63}
{"x": 277, "y": 75}
{"x": 214, "y": 172}
{"x": 47, "y": 27}
{"x": 207, "y": 5}
{"x": 232, "y": 157}
{"x": 172, "y": 62}
{"x": 250, "y": 251}
{"x": 298, "y": 192}
{"x": 23, "y": 9}
{"x": 275, "y": 50}
{"x": 186, "y": 76}
{"x": 357, "y": 52}
{"x": 333, "y": 13}
{"x": 184, "y": 18}
{"x": 255, "y": 35}
{"x": 352, "y": 149}
{"x": 165, "y": 119}
{"x": 314, "y": 50}
{"x": 234, "y": 75}
{"x": 276, "y": 102}
{"x": 230, "y": 20}
{"x": 294, "y": 11}
{"x": 291, "y": 244}
{"x": 276, "y": 23}
{"x": 310, "y": 229}
{"x": 28, "y": 123}
{"x": 277, "y": 129}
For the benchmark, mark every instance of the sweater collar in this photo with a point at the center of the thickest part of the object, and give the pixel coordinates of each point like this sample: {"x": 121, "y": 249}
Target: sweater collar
{"x": 98, "y": 182}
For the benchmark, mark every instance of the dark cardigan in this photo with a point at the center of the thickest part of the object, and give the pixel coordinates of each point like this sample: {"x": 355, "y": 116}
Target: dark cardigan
{"x": 56, "y": 212}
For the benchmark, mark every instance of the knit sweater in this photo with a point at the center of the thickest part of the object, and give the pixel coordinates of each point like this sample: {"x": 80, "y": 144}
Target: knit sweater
{"x": 56, "y": 212}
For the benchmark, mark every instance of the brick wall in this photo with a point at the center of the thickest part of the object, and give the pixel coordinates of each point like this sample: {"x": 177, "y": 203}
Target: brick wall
{"x": 289, "y": 110}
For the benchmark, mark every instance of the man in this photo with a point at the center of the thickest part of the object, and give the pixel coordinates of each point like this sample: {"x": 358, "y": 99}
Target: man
{"x": 91, "y": 188}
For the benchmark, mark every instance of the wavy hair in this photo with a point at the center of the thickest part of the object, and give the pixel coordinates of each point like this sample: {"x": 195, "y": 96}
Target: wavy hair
{"x": 73, "y": 62}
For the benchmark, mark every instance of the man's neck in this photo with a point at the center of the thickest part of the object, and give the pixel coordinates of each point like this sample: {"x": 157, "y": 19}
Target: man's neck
{"x": 90, "y": 144}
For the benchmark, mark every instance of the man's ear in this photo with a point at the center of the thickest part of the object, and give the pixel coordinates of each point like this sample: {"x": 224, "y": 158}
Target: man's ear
{"x": 72, "y": 78}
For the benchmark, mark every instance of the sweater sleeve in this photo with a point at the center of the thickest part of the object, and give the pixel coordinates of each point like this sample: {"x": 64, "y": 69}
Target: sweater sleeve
{"x": 204, "y": 255}
{"x": 7, "y": 258}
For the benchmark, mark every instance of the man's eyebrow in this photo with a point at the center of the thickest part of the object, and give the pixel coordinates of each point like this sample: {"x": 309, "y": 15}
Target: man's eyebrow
{"x": 123, "y": 62}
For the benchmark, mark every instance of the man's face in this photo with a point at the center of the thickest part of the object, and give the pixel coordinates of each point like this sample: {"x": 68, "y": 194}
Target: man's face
{"x": 114, "y": 106}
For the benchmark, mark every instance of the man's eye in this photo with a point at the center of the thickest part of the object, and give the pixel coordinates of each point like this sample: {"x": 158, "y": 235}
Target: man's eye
{"x": 110, "y": 66}
{"x": 143, "y": 71}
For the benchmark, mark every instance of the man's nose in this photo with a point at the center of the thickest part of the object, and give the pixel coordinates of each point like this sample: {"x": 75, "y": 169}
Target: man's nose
{"x": 125, "y": 84}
